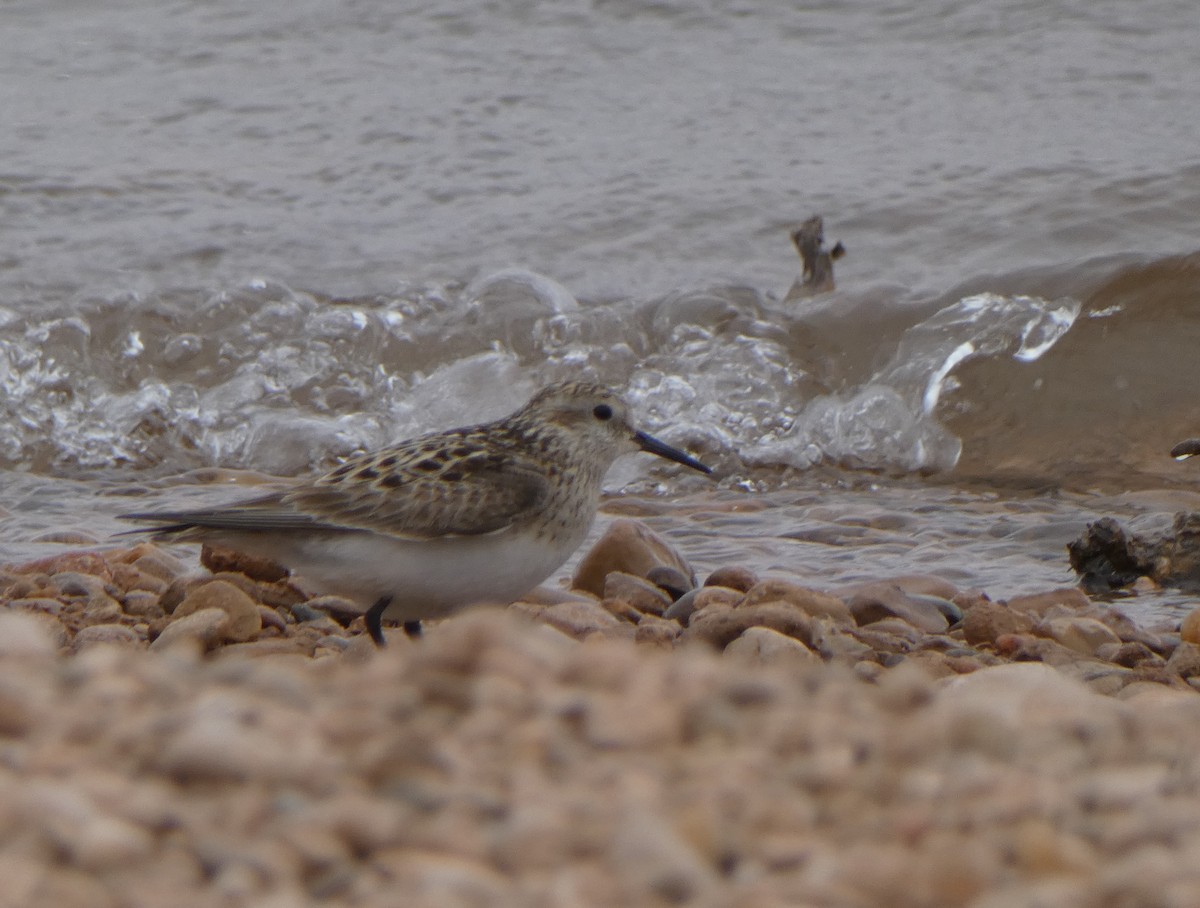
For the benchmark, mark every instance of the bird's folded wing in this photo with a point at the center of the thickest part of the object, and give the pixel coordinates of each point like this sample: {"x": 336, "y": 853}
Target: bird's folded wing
{"x": 464, "y": 496}
{"x": 467, "y": 497}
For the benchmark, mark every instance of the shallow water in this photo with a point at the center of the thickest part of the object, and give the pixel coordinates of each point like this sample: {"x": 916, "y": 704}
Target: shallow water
{"x": 263, "y": 237}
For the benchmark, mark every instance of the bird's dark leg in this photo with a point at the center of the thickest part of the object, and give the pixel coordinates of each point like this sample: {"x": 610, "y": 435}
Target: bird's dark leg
{"x": 374, "y": 620}
{"x": 413, "y": 629}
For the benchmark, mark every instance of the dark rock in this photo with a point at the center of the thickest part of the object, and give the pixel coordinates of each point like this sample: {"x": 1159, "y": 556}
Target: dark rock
{"x": 670, "y": 580}
{"x": 1108, "y": 557}
{"x": 219, "y": 559}
{"x": 682, "y": 608}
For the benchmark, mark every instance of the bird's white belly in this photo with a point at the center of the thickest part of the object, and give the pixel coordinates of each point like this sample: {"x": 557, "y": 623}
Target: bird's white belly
{"x": 426, "y": 579}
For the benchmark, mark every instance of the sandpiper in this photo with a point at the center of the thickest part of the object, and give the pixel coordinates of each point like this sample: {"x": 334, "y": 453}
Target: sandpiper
{"x": 435, "y": 524}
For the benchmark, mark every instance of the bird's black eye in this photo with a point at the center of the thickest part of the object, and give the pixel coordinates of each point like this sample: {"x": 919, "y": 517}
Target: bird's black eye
{"x": 602, "y": 411}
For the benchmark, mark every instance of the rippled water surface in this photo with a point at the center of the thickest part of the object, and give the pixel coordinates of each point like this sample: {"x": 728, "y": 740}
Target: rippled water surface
{"x": 264, "y": 236}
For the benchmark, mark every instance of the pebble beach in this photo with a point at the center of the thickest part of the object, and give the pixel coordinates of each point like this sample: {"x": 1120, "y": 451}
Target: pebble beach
{"x": 199, "y": 735}
{"x": 855, "y": 667}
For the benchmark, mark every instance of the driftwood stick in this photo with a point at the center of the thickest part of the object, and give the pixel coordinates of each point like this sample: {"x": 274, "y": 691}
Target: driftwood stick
{"x": 817, "y": 274}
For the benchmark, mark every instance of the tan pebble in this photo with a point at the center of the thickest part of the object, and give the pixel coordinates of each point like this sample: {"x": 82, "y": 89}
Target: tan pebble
{"x": 765, "y": 646}
{"x": 229, "y": 735}
{"x": 881, "y": 641}
{"x": 986, "y": 621}
{"x": 1144, "y": 585}
{"x": 1136, "y": 690}
{"x": 631, "y": 547}
{"x": 362, "y": 822}
{"x": 1069, "y": 597}
{"x": 553, "y": 595}
{"x": 657, "y": 632}
{"x": 621, "y": 609}
{"x": 641, "y": 594}
{"x": 1129, "y": 655}
{"x": 37, "y": 604}
{"x": 710, "y": 595}
{"x": 937, "y": 665}
{"x": 280, "y": 594}
{"x": 117, "y": 634}
{"x": 1027, "y": 648}
{"x": 23, "y": 876}
{"x": 835, "y": 646}
{"x": 271, "y": 618}
{"x": 142, "y": 604}
{"x": 206, "y": 627}
{"x": 719, "y": 626}
{"x": 445, "y": 878}
{"x": 178, "y": 589}
{"x": 20, "y": 708}
{"x": 338, "y": 608}
{"x": 160, "y": 564}
{"x": 80, "y": 562}
{"x": 19, "y": 588}
{"x": 102, "y": 609}
{"x": 1185, "y": 660}
{"x": 817, "y": 604}
{"x": 1110, "y": 682}
{"x": 274, "y": 646}
{"x": 132, "y": 554}
{"x": 897, "y": 628}
{"x": 73, "y": 887}
{"x": 1083, "y": 635}
{"x": 1173, "y": 704}
{"x": 610, "y": 723}
{"x": 244, "y": 621}
{"x": 871, "y": 603}
{"x": 128, "y": 577}
{"x": 73, "y": 583}
{"x": 926, "y": 585}
{"x": 868, "y": 671}
{"x": 1018, "y": 696}
{"x": 29, "y": 635}
{"x": 110, "y": 843}
{"x": 734, "y": 577}
{"x": 247, "y": 585}
{"x": 1189, "y": 629}
{"x": 578, "y": 618}
{"x": 657, "y": 865}
{"x": 87, "y": 837}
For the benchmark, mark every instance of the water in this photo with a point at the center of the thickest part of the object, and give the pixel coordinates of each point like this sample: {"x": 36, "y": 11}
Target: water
{"x": 263, "y": 236}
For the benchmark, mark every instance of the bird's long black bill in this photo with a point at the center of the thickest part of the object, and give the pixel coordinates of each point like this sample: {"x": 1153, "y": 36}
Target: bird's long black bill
{"x": 662, "y": 449}
{"x": 1186, "y": 449}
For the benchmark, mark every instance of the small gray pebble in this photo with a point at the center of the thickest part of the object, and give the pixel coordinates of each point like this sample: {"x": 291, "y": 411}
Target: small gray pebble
{"x": 681, "y": 609}
{"x": 302, "y": 612}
